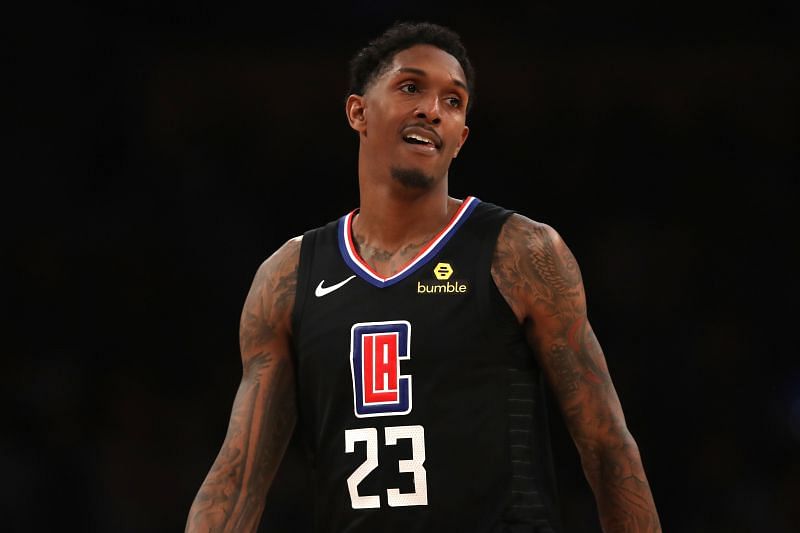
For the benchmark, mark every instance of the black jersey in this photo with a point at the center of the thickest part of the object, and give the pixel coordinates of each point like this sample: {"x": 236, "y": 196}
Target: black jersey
{"x": 420, "y": 403}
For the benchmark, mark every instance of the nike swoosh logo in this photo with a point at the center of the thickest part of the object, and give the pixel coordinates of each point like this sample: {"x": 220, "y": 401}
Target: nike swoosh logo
{"x": 322, "y": 291}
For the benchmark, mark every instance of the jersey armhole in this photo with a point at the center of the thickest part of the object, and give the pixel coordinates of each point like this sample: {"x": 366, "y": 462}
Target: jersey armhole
{"x": 494, "y": 301}
{"x": 301, "y": 291}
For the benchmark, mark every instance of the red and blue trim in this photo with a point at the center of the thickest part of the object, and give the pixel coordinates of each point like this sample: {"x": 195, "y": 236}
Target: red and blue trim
{"x": 365, "y": 272}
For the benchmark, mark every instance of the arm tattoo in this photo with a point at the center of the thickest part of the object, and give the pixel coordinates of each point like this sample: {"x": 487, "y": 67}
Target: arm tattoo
{"x": 557, "y": 272}
{"x": 232, "y": 496}
{"x": 528, "y": 270}
{"x": 540, "y": 279}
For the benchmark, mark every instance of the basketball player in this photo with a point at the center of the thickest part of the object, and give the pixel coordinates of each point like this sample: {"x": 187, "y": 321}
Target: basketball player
{"x": 410, "y": 341}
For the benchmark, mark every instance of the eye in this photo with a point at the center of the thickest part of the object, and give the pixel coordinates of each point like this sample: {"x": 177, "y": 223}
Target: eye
{"x": 453, "y": 101}
{"x": 409, "y": 88}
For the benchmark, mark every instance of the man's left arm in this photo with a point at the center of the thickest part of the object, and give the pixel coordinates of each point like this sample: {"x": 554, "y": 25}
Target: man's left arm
{"x": 540, "y": 279}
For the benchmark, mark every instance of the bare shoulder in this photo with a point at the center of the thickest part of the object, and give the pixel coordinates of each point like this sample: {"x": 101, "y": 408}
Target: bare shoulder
{"x": 283, "y": 262}
{"x": 533, "y": 266}
{"x": 276, "y": 278}
{"x": 266, "y": 315}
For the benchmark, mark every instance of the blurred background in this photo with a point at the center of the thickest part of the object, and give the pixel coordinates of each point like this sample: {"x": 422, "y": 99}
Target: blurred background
{"x": 159, "y": 154}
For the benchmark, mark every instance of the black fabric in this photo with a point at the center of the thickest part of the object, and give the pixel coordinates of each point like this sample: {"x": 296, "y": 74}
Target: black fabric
{"x": 475, "y": 390}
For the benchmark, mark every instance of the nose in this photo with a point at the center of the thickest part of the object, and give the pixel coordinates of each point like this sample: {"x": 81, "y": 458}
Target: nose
{"x": 429, "y": 111}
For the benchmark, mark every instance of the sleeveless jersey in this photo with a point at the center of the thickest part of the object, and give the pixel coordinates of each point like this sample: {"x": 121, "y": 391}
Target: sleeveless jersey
{"x": 420, "y": 404}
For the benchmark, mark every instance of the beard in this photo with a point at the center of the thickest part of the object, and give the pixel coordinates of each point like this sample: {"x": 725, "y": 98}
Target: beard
{"x": 412, "y": 178}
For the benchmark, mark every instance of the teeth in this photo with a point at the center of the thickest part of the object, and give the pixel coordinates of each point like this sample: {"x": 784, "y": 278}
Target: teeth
{"x": 418, "y": 138}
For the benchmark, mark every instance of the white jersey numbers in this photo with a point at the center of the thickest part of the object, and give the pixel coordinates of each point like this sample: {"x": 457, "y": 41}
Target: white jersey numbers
{"x": 370, "y": 436}
{"x": 413, "y": 465}
{"x": 394, "y": 497}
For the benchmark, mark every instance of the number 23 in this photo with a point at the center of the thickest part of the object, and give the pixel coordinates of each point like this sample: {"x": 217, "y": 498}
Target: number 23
{"x": 394, "y": 497}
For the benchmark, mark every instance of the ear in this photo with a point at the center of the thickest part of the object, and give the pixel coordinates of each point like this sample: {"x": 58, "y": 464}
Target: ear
{"x": 464, "y": 135}
{"x": 355, "y": 107}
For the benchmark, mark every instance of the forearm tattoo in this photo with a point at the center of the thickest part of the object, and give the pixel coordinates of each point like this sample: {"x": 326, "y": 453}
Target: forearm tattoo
{"x": 232, "y": 496}
{"x": 540, "y": 279}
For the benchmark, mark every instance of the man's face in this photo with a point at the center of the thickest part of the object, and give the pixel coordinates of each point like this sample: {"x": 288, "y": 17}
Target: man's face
{"x": 413, "y": 115}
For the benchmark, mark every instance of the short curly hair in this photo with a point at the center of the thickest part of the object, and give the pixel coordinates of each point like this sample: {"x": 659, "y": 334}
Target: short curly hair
{"x": 372, "y": 60}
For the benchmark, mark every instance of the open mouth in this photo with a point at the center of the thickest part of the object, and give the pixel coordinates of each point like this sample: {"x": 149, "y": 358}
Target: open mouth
{"x": 422, "y": 137}
{"x": 413, "y": 138}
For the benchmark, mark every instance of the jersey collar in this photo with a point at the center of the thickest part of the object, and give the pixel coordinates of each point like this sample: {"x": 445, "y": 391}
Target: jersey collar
{"x": 365, "y": 272}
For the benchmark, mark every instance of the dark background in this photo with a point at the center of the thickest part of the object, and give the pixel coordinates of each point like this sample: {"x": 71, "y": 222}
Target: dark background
{"x": 159, "y": 154}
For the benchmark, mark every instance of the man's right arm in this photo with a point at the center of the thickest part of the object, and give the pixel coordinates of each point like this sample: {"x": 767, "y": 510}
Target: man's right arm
{"x": 264, "y": 412}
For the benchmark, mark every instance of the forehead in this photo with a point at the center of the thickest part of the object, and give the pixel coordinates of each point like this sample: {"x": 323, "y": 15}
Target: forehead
{"x": 434, "y": 61}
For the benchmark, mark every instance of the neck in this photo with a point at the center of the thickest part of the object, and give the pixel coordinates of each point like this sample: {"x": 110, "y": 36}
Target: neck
{"x": 392, "y": 217}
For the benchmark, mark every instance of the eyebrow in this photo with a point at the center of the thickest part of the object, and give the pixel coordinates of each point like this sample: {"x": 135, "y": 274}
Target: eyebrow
{"x": 421, "y": 72}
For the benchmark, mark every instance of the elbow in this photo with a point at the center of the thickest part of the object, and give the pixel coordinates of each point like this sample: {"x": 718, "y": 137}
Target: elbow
{"x": 612, "y": 454}
{"x": 600, "y": 448}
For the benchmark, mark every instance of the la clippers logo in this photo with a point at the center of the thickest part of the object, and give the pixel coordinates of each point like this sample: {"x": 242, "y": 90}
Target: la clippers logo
{"x": 376, "y": 349}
